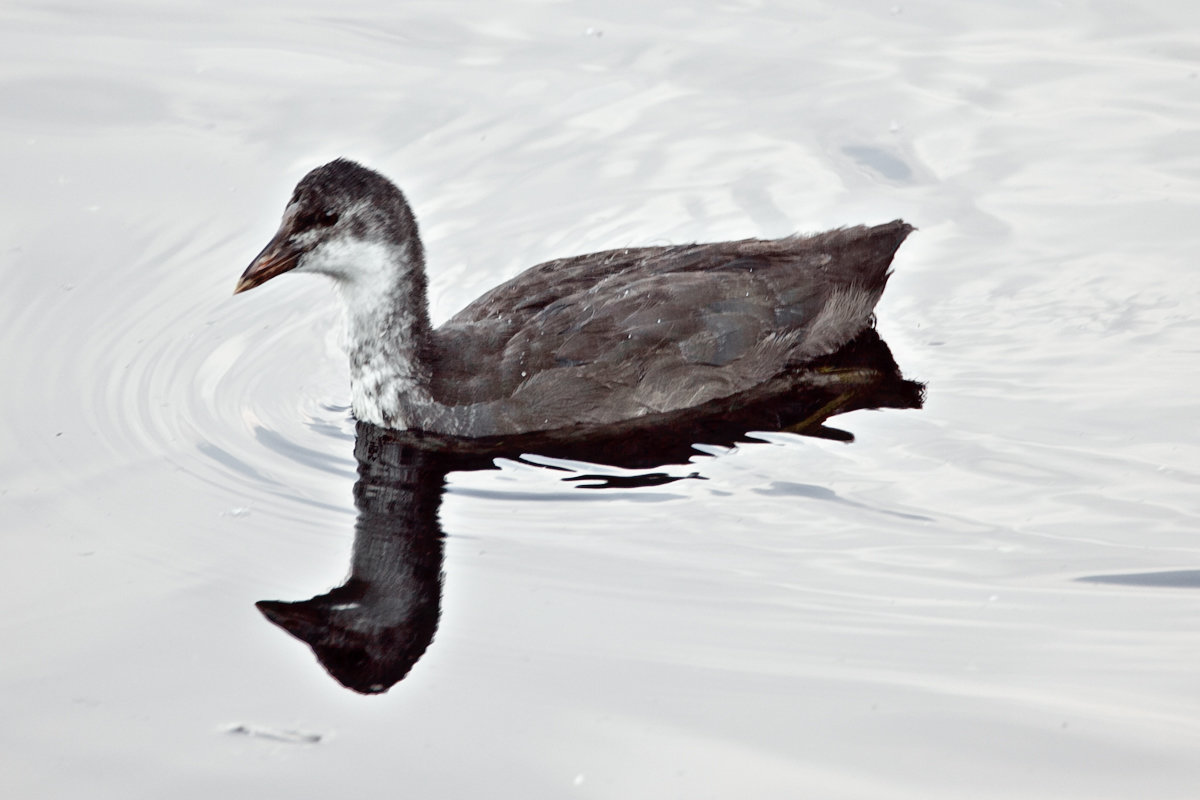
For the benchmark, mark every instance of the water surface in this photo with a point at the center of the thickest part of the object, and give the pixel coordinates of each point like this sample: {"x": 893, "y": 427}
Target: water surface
{"x": 991, "y": 597}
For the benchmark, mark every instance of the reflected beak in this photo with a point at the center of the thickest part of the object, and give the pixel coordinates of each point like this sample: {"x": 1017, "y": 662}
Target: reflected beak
{"x": 277, "y": 257}
{"x": 301, "y": 619}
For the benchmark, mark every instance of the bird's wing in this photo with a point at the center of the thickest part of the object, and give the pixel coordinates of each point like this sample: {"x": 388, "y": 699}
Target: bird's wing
{"x": 626, "y": 332}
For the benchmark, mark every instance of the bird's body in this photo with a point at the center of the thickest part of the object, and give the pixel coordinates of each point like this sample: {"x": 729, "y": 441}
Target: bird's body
{"x": 591, "y": 340}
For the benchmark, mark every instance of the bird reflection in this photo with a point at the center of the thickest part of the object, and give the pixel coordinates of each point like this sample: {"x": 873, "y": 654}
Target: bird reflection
{"x": 371, "y": 630}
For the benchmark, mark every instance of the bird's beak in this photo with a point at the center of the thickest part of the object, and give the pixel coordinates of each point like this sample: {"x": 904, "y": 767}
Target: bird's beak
{"x": 280, "y": 255}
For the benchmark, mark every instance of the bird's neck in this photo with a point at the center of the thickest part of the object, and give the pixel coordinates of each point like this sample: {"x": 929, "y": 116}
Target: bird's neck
{"x": 387, "y": 334}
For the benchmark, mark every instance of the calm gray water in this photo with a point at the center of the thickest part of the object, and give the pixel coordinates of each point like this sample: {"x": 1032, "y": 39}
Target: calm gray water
{"x": 994, "y": 597}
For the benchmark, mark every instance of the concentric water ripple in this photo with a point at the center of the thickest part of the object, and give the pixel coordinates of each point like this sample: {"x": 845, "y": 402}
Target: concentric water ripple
{"x": 253, "y": 383}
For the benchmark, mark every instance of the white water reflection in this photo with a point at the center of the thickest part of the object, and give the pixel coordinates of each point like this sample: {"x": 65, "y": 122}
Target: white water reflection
{"x": 962, "y": 603}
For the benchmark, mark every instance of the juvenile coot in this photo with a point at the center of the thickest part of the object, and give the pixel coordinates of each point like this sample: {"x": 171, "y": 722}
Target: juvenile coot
{"x": 591, "y": 340}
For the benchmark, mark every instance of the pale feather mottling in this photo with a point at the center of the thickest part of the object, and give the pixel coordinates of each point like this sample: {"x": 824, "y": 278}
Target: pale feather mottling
{"x": 365, "y": 274}
{"x": 847, "y": 311}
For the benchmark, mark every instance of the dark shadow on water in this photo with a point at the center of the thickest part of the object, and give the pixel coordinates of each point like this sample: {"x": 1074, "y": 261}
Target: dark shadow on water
{"x": 369, "y": 631}
{"x": 1174, "y": 579}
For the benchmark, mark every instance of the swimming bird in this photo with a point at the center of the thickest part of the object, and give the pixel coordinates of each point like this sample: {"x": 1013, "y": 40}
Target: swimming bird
{"x": 575, "y": 343}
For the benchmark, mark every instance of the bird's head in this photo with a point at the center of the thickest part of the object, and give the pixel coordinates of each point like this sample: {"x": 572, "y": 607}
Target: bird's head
{"x": 341, "y": 221}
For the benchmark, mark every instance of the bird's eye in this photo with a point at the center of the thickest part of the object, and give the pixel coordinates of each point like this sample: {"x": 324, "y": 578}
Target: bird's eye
{"x": 317, "y": 218}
